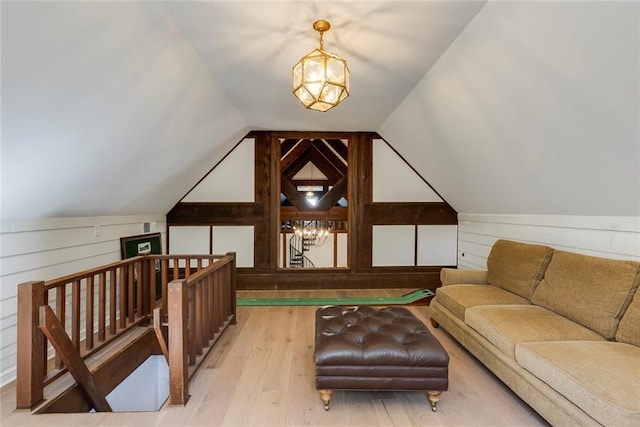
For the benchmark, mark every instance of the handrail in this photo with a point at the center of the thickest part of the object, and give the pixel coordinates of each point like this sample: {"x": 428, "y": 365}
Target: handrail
{"x": 96, "y": 306}
{"x": 200, "y": 308}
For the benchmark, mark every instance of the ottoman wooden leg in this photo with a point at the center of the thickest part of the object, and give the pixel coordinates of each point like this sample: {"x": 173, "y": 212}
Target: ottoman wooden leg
{"x": 325, "y": 395}
{"x": 434, "y": 397}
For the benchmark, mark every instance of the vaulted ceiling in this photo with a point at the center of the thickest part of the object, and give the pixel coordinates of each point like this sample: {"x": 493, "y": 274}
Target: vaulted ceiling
{"x": 509, "y": 107}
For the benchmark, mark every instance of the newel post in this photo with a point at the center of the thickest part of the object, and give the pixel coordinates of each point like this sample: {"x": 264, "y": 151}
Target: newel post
{"x": 31, "y": 357}
{"x": 232, "y": 286}
{"x": 178, "y": 317}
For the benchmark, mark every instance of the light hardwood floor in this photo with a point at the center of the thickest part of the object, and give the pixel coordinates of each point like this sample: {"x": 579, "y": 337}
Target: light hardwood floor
{"x": 261, "y": 374}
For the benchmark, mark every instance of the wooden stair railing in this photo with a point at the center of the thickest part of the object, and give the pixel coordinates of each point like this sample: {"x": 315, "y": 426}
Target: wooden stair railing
{"x": 97, "y": 306}
{"x": 200, "y": 308}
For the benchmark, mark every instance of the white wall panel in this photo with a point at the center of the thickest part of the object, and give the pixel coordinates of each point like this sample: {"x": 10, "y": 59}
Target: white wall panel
{"x": 47, "y": 248}
{"x": 342, "y": 257}
{"x": 437, "y": 244}
{"x": 238, "y": 239}
{"x": 393, "y": 245}
{"x": 608, "y": 237}
{"x": 230, "y": 181}
{"x": 394, "y": 180}
{"x": 189, "y": 240}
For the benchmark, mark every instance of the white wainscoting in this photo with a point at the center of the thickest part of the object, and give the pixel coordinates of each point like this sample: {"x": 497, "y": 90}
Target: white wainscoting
{"x": 608, "y": 237}
{"x": 48, "y": 248}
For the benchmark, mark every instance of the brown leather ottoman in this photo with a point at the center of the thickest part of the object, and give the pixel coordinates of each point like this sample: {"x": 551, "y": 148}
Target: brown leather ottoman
{"x": 367, "y": 348}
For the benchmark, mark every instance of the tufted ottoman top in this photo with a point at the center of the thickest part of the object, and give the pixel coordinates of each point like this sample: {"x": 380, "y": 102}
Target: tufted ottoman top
{"x": 368, "y": 336}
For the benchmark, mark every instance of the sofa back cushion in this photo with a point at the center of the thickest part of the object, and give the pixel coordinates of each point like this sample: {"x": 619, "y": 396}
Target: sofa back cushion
{"x": 629, "y": 327}
{"x": 517, "y": 267}
{"x": 592, "y": 291}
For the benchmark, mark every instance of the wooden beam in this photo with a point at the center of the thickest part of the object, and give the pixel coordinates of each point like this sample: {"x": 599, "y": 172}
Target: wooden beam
{"x": 291, "y": 213}
{"x": 215, "y": 213}
{"x": 332, "y": 196}
{"x": 360, "y": 195}
{"x": 339, "y": 148}
{"x": 322, "y": 147}
{"x": 413, "y": 213}
{"x": 51, "y": 327}
{"x": 287, "y": 145}
{"x": 296, "y": 198}
{"x": 324, "y": 165}
{"x": 294, "y": 154}
{"x": 290, "y": 170}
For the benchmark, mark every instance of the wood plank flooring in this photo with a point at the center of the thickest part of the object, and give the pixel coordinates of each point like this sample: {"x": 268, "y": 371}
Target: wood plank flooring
{"x": 260, "y": 373}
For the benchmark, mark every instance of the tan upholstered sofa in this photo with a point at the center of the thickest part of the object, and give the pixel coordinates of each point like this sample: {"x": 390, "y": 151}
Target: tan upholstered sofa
{"x": 561, "y": 329}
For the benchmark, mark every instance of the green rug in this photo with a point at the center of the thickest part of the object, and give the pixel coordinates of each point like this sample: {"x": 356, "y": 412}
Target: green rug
{"x": 415, "y": 297}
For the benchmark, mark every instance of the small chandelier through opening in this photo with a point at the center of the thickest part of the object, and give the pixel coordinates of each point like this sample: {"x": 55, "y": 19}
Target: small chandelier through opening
{"x": 321, "y": 78}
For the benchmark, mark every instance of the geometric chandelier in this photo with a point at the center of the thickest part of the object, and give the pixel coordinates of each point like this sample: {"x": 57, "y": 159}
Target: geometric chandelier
{"x": 321, "y": 78}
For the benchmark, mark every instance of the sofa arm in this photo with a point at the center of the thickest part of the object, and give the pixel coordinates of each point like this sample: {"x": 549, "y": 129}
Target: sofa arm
{"x": 452, "y": 276}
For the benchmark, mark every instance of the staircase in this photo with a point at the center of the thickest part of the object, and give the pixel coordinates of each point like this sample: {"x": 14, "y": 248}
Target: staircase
{"x": 298, "y": 245}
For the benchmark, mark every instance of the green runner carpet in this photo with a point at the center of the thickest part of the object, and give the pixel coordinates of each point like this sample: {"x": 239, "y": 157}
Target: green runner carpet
{"x": 416, "y": 297}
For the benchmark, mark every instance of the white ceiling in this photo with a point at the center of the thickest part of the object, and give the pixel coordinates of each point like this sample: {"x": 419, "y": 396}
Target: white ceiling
{"x": 252, "y": 46}
{"x": 113, "y": 108}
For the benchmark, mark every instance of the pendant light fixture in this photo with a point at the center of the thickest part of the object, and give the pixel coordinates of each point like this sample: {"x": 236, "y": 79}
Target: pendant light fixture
{"x": 321, "y": 78}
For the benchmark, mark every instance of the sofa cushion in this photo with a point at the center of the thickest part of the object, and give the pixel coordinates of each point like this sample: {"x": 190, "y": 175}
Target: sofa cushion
{"x": 453, "y": 276}
{"x": 507, "y": 325}
{"x": 589, "y": 290}
{"x": 457, "y": 298}
{"x": 574, "y": 369}
{"x": 517, "y": 267}
{"x": 629, "y": 327}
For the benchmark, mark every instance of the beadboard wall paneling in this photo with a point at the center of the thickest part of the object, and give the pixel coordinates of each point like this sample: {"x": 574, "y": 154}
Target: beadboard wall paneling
{"x": 609, "y": 237}
{"x": 47, "y": 248}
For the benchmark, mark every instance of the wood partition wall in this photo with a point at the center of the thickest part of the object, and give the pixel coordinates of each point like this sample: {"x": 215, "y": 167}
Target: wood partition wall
{"x": 264, "y": 214}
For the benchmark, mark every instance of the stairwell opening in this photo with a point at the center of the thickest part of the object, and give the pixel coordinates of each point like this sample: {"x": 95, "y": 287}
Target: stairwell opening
{"x": 145, "y": 390}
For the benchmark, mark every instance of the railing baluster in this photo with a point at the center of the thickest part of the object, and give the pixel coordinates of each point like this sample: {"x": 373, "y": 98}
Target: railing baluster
{"x": 152, "y": 285}
{"x": 102, "y": 305}
{"x": 75, "y": 313}
{"x": 176, "y": 269}
{"x": 199, "y": 316}
{"x": 61, "y": 300}
{"x": 164, "y": 266}
{"x": 192, "y": 325}
{"x": 139, "y": 296}
{"x": 113, "y": 301}
{"x": 88, "y": 325}
{"x": 123, "y": 296}
{"x": 130, "y": 293}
